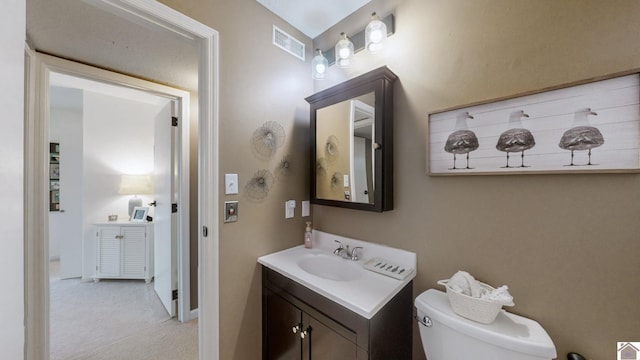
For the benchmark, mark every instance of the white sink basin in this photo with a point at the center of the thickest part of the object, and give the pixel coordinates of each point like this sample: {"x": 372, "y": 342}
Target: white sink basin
{"x": 330, "y": 267}
{"x": 343, "y": 281}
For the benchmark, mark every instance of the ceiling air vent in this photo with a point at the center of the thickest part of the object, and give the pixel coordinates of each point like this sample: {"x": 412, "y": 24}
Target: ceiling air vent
{"x": 288, "y": 43}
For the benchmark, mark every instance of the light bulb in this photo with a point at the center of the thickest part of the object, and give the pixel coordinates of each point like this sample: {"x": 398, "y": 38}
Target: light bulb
{"x": 375, "y": 36}
{"x": 320, "y": 68}
{"x": 344, "y": 53}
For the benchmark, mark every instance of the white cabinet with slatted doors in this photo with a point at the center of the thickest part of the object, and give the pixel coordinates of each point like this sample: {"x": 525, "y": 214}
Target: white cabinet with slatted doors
{"x": 124, "y": 251}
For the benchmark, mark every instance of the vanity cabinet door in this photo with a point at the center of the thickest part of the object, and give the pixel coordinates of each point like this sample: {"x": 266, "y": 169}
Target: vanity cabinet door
{"x": 281, "y": 317}
{"x": 325, "y": 341}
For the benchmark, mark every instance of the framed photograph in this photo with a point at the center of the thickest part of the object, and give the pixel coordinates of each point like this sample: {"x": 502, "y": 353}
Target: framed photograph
{"x": 55, "y": 196}
{"x": 590, "y": 126}
{"x": 54, "y": 185}
{"x": 54, "y": 171}
{"x": 139, "y": 214}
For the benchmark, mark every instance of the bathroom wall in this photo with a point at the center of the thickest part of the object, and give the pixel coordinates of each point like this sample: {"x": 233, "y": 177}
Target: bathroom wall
{"x": 258, "y": 83}
{"x": 567, "y": 245}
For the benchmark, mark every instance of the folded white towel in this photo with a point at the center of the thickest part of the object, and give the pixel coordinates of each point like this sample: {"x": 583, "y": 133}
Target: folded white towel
{"x": 500, "y": 295}
{"x": 463, "y": 282}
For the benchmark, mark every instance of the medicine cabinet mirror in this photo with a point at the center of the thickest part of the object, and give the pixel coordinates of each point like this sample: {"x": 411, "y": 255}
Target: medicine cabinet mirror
{"x": 352, "y": 143}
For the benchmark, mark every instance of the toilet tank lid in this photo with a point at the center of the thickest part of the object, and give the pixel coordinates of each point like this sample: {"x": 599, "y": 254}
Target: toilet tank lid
{"x": 508, "y": 331}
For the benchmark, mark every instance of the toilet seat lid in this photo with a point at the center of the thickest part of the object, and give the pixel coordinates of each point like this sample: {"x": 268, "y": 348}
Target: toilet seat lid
{"x": 509, "y": 331}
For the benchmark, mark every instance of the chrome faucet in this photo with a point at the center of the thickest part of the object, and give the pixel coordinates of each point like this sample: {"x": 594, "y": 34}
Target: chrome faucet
{"x": 345, "y": 253}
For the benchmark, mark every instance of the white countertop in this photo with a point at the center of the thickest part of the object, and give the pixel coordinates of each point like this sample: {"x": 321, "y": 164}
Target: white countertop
{"x": 365, "y": 295}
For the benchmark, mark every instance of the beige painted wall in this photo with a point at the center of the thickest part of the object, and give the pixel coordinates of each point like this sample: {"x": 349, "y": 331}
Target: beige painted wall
{"x": 258, "y": 83}
{"x": 567, "y": 245}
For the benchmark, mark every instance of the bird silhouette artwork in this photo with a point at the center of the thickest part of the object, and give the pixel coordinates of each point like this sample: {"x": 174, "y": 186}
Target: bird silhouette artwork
{"x": 582, "y": 136}
{"x": 516, "y": 139}
{"x": 462, "y": 140}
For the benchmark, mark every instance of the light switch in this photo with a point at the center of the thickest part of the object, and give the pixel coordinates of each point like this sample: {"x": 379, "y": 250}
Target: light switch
{"x": 306, "y": 208}
{"x": 289, "y": 209}
{"x": 346, "y": 180}
{"x": 230, "y": 184}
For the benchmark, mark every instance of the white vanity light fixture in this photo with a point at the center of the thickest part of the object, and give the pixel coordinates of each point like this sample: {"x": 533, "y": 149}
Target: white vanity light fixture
{"x": 375, "y": 34}
{"x": 344, "y": 51}
{"x": 319, "y": 65}
{"x": 135, "y": 185}
{"x": 371, "y": 38}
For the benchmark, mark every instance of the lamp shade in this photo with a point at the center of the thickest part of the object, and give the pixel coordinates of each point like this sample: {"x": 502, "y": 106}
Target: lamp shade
{"x": 319, "y": 65}
{"x": 344, "y": 51}
{"x": 375, "y": 34}
{"x": 135, "y": 185}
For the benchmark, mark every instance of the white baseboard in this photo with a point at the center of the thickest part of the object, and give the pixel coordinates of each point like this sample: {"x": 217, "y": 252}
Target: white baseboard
{"x": 194, "y": 314}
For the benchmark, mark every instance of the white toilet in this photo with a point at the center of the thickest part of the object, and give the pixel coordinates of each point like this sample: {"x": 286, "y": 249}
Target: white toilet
{"x": 447, "y": 336}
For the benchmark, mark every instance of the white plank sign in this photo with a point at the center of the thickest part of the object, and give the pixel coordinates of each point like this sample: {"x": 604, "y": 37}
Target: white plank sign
{"x": 592, "y": 127}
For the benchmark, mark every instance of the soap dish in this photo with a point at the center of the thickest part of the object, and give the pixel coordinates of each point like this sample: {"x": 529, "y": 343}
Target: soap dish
{"x": 388, "y": 268}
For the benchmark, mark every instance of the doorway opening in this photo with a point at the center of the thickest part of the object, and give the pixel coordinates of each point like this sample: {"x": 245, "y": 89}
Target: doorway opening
{"x": 103, "y": 133}
{"x": 122, "y": 130}
{"x": 162, "y": 18}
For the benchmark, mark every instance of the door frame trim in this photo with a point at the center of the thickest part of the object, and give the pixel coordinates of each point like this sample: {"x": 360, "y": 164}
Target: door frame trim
{"x": 163, "y": 18}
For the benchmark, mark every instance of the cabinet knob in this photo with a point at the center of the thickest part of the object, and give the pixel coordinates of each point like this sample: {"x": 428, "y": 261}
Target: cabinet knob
{"x": 295, "y": 329}
{"x": 303, "y": 334}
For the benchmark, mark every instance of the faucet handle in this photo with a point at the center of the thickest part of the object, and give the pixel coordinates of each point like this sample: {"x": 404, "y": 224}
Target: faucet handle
{"x": 354, "y": 253}
{"x": 339, "y": 249}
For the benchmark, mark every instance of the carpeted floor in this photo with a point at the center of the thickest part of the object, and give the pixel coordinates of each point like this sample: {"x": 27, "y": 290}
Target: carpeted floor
{"x": 114, "y": 319}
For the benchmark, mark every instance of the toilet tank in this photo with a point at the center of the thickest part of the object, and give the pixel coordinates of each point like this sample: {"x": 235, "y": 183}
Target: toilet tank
{"x": 450, "y": 336}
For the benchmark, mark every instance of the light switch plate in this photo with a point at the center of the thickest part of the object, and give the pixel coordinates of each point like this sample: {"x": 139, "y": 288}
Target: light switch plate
{"x": 230, "y": 211}
{"x": 306, "y": 208}
{"x": 230, "y": 184}
{"x": 346, "y": 180}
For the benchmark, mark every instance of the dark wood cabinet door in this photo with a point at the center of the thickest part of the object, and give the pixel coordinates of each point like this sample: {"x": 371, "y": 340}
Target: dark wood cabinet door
{"x": 325, "y": 341}
{"x": 282, "y": 317}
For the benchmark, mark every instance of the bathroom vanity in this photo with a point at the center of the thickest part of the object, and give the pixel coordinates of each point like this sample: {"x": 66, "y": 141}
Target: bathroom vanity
{"x": 335, "y": 309}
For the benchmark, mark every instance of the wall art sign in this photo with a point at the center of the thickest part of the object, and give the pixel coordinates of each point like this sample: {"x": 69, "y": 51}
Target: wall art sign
{"x": 593, "y": 126}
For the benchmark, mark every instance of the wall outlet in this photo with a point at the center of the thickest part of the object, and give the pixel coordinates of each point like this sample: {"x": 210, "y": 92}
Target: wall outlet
{"x": 306, "y": 208}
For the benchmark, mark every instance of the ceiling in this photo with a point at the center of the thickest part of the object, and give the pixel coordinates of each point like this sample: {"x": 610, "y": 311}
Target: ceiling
{"x": 313, "y": 17}
{"x": 82, "y": 32}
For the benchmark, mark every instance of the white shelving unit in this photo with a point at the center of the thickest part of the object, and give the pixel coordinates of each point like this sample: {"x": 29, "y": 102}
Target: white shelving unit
{"x": 124, "y": 251}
